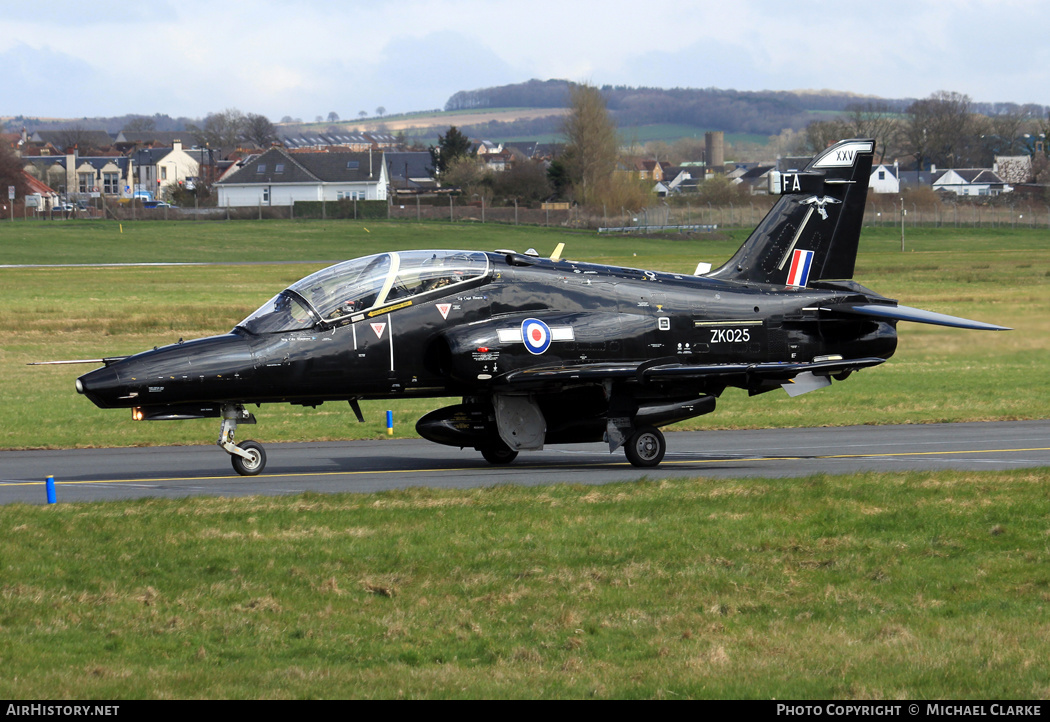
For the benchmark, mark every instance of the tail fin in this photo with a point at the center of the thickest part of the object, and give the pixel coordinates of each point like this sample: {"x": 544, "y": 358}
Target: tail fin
{"x": 812, "y": 232}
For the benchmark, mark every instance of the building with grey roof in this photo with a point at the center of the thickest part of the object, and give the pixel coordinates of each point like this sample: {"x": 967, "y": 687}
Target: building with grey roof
{"x": 280, "y": 178}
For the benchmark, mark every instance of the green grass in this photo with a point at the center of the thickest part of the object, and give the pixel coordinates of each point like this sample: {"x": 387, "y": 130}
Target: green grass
{"x": 905, "y": 586}
{"x": 908, "y": 586}
{"x": 64, "y": 313}
{"x": 224, "y": 242}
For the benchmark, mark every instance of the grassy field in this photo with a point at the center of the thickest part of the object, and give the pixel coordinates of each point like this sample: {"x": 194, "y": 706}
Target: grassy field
{"x": 893, "y": 586}
{"x": 904, "y": 586}
{"x": 83, "y": 312}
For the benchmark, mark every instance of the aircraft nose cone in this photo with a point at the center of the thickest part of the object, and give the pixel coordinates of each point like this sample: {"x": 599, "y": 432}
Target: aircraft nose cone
{"x": 101, "y": 386}
{"x": 187, "y": 372}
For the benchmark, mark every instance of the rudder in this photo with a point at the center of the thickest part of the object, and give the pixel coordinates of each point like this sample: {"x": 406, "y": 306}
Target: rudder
{"x": 812, "y": 232}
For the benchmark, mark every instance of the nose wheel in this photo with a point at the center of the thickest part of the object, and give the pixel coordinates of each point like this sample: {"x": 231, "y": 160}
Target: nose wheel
{"x": 248, "y": 458}
{"x": 251, "y": 464}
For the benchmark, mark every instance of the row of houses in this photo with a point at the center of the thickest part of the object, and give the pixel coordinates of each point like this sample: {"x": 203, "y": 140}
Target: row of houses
{"x": 338, "y": 165}
{"x": 118, "y": 176}
{"x": 273, "y": 178}
{"x": 668, "y": 179}
{"x": 890, "y": 179}
{"x": 304, "y": 166}
{"x": 325, "y": 167}
{"x": 146, "y": 165}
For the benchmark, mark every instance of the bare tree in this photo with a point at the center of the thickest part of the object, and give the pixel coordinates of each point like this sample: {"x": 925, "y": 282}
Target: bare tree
{"x": 822, "y": 133}
{"x": 333, "y": 117}
{"x": 526, "y": 180}
{"x": 873, "y": 120}
{"x": 73, "y": 137}
{"x": 259, "y": 130}
{"x": 470, "y": 176}
{"x": 221, "y": 130}
{"x": 1011, "y": 132}
{"x": 380, "y": 111}
{"x": 938, "y": 129}
{"x": 140, "y": 124}
{"x": 591, "y": 145}
{"x": 11, "y": 172}
{"x": 1042, "y": 131}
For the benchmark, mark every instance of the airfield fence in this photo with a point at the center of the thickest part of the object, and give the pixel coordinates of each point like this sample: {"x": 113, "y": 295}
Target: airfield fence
{"x": 1021, "y": 213}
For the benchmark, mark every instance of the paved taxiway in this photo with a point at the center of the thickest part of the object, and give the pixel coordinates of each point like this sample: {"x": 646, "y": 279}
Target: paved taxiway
{"x": 364, "y": 466}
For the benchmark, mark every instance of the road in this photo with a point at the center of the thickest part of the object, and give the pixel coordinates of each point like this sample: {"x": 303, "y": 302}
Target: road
{"x": 366, "y": 466}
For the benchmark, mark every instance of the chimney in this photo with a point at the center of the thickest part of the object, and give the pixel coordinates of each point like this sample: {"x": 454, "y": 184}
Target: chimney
{"x": 71, "y": 171}
{"x": 714, "y": 150}
{"x": 176, "y": 145}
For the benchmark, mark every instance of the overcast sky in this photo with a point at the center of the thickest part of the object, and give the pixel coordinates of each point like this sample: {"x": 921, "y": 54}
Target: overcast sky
{"x": 309, "y": 57}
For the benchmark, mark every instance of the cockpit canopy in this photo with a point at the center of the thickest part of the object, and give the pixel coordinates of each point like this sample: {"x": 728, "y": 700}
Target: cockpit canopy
{"x": 352, "y": 287}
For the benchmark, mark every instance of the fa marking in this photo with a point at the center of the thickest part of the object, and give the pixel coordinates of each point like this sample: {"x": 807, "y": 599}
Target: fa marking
{"x": 791, "y": 183}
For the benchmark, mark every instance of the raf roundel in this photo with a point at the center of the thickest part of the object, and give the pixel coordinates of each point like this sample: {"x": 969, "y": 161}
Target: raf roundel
{"x": 536, "y": 334}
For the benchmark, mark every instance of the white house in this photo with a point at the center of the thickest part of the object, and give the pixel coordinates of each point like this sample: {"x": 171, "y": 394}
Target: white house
{"x": 156, "y": 168}
{"x": 971, "y": 182}
{"x": 885, "y": 179}
{"x": 673, "y": 181}
{"x": 755, "y": 179}
{"x": 280, "y": 178}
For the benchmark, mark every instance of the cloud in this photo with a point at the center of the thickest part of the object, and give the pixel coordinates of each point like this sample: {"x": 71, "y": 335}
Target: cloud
{"x": 309, "y": 58}
{"x": 435, "y": 66}
{"x": 42, "y": 81}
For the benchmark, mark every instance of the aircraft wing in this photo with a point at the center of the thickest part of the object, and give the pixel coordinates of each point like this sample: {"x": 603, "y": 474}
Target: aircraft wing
{"x": 732, "y": 374}
{"x": 906, "y": 313}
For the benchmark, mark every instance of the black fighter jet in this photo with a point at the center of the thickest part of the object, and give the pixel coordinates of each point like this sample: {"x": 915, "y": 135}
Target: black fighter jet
{"x": 546, "y": 350}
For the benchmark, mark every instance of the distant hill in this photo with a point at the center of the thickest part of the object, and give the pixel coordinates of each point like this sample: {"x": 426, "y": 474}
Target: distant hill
{"x": 534, "y": 110}
{"x": 761, "y": 113}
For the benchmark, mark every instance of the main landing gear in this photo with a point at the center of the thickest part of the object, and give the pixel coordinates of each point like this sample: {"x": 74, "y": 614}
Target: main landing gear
{"x": 498, "y": 453}
{"x": 645, "y": 447}
{"x": 248, "y": 457}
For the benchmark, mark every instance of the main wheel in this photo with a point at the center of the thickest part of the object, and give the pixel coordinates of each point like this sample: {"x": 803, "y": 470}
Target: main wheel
{"x": 646, "y": 447}
{"x": 498, "y": 454}
{"x": 252, "y": 466}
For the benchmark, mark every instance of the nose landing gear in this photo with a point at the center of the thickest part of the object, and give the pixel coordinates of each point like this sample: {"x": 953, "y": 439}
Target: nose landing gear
{"x": 248, "y": 457}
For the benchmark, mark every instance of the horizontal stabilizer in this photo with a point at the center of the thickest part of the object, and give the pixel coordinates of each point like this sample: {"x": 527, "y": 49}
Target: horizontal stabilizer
{"x": 906, "y": 313}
